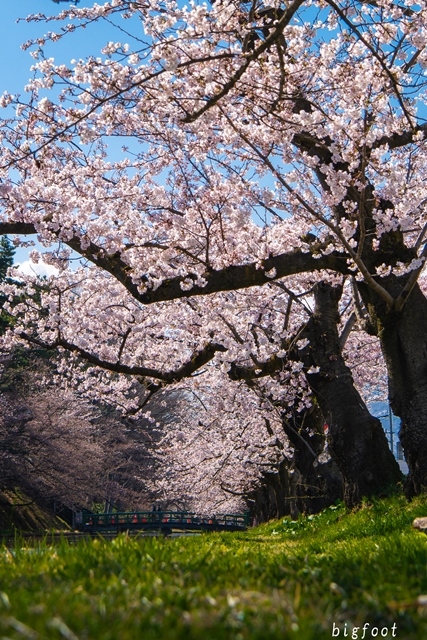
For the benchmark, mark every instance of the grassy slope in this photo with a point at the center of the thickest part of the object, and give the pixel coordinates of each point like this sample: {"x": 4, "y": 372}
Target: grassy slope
{"x": 18, "y": 512}
{"x": 280, "y": 580}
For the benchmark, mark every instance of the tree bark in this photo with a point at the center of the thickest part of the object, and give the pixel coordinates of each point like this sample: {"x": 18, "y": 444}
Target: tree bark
{"x": 403, "y": 337}
{"x": 357, "y": 441}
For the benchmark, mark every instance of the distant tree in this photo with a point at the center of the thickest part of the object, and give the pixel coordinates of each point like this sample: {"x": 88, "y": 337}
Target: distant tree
{"x": 56, "y": 445}
{"x": 7, "y": 252}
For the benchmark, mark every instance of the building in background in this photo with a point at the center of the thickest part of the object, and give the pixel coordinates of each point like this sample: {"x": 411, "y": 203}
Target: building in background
{"x": 391, "y": 425}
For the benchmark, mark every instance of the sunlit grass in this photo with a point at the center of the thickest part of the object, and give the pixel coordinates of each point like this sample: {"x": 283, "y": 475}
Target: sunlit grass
{"x": 281, "y": 580}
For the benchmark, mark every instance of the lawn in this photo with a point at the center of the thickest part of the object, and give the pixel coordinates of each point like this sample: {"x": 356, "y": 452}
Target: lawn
{"x": 336, "y": 574}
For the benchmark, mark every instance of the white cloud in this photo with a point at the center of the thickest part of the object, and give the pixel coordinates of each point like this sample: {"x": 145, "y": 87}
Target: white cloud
{"x": 40, "y": 269}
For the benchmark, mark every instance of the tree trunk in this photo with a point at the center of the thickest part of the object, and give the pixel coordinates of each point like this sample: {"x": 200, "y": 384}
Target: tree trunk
{"x": 269, "y": 501}
{"x": 357, "y": 440}
{"x": 314, "y": 485}
{"x": 303, "y": 484}
{"x": 403, "y": 337}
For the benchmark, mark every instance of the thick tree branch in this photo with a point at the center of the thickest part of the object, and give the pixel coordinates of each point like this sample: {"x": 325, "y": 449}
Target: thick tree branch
{"x": 397, "y": 140}
{"x": 412, "y": 280}
{"x": 229, "y": 278}
{"x": 267, "y": 368}
{"x": 198, "y": 359}
{"x": 369, "y": 279}
{"x": 347, "y": 329}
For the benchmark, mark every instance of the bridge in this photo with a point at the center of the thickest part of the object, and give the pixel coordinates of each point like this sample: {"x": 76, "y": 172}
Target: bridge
{"x": 163, "y": 521}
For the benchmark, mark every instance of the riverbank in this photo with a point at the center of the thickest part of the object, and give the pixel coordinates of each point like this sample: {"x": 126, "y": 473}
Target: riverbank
{"x": 19, "y": 513}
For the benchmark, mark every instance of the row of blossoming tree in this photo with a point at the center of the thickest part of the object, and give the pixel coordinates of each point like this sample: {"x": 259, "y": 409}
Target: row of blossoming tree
{"x": 264, "y": 219}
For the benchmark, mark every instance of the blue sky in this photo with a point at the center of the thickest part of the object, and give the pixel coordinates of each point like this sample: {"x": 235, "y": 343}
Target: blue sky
{"x": 15, "y": 65}
{"x": 15, "y": 62}
{"x": 14, "y": 69}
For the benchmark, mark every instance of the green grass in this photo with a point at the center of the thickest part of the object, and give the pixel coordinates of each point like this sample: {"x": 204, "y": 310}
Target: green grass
{"x": 281, "y": 580}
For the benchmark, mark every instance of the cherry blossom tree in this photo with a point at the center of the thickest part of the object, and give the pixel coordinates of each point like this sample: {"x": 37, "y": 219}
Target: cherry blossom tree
{"x": 227, "y": 447}
{"x": 356, "y": 439}
{"x": 56, "y": 445}
{"x": 260, "y": 143}
{"x": 48, "y": 449}
{"x": 212, "y": 452}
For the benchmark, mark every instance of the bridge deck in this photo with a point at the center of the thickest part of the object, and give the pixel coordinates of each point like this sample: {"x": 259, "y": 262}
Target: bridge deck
{"x": 164, "y": 520}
